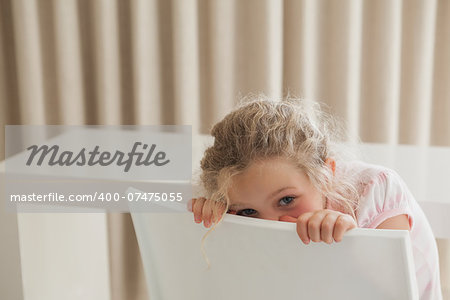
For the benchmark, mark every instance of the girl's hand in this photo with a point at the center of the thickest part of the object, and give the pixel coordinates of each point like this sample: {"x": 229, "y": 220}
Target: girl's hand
{"x": 206, "y": 210}
{"x": 322, "y": 225}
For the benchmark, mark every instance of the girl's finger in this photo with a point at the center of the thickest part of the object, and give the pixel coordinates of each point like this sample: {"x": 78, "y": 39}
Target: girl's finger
{"x": 343, "y": 224}
{"x": 302, "y": 227}
{"x": 197, "y": 207}
{"x": 207, "y": 213}
{"x": 218, "y": 211}
{"x": 327, "y": 227}
{"x": 190, "y": 204}
{"x": 314, "y": 225}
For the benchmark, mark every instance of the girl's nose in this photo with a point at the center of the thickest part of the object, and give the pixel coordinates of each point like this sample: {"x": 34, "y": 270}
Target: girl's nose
{"x": 288, "y": 219}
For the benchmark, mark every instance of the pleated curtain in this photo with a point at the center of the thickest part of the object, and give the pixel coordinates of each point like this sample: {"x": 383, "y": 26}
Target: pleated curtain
{"x": 383, "y": 66}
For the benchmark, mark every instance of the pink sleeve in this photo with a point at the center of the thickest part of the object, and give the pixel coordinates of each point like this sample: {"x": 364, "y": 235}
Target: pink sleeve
{"x": 385, "y": 196}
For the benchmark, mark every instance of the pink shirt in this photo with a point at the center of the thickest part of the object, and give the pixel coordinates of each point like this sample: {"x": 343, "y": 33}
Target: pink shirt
{"x": 385, "y": 195}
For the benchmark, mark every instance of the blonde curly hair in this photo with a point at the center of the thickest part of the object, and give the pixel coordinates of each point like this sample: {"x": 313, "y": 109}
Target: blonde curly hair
{"x": 295, "y": 129}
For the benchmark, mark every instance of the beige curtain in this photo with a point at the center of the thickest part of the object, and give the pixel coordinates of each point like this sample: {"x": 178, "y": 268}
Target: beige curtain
{"x": 382, "y": 65}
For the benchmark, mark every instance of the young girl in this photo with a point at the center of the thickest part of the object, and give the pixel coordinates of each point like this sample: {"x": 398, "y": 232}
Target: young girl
{"x": 282, "y": 160}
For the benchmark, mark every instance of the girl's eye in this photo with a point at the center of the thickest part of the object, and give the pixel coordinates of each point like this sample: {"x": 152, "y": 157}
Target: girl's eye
{"x": 286, "y": 200}
{"x": 246, "y": 212}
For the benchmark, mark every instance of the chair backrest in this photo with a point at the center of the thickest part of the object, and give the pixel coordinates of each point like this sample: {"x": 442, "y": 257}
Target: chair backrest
{"x": 262, "y": 259}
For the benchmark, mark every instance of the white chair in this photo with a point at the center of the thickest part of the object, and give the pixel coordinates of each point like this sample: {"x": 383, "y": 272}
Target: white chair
{"x": 262, "y": 259}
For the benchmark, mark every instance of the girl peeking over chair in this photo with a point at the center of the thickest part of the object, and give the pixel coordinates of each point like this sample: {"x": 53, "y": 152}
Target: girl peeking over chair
{"x": 285, "y": 161}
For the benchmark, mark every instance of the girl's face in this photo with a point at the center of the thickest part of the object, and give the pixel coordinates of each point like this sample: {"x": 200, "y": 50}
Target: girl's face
{"x": 271, "y": 189}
